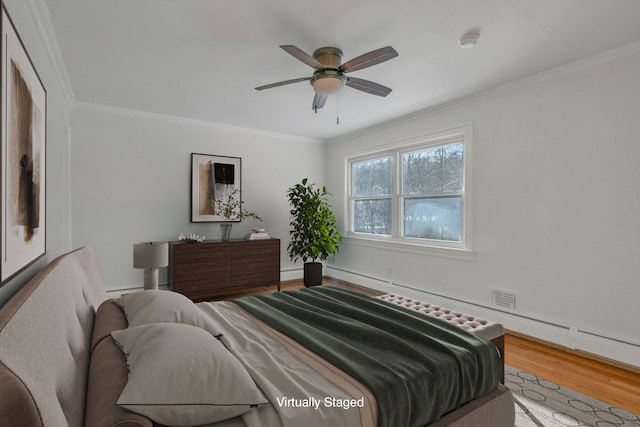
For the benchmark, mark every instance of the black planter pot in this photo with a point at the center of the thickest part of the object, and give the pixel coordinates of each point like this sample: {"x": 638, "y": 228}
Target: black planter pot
{"x": 312, "y": 274}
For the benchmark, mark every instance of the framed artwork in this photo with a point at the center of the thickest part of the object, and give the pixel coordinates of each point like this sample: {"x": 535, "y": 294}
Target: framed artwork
{"x": 213, "y": 177}
{"x": 23, "y": 157}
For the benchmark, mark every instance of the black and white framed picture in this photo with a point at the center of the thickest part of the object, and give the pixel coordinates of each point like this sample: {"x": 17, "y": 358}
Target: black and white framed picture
{"x": 23, "y": 184}
{"x": 214, "y": 178}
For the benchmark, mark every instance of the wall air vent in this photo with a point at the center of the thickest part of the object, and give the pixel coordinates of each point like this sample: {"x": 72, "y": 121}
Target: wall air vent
{"x": 503, "y": 298}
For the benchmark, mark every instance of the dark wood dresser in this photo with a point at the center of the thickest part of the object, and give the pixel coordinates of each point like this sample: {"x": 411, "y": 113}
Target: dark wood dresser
{"x": 211, "y": 268}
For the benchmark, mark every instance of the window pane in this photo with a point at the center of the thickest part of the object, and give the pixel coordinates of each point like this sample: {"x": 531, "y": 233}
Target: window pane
{"x": 372, "y": 216}
{"x": 435, "y": 170}
{"x": 372, "y": 177}
{"x": 438, "y": 218}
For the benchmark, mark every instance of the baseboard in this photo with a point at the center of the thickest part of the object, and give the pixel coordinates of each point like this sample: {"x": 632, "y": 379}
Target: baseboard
{"x": 571, "y": 338}
{"x": 293, "y": 274}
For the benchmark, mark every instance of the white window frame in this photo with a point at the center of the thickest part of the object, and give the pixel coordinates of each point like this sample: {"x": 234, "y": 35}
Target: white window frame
{"x": 396, "y": 240}
{"x": 393, "y": 196}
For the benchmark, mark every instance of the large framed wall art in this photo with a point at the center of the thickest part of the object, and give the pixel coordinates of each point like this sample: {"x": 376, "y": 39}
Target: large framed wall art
{"x": 213, "y": 177}
{"x": 23, "y": 157}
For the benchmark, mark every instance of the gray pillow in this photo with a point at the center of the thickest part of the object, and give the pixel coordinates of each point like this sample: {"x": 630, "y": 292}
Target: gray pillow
{"x": 180, "y": 375}
{"x": 155, "y": 306}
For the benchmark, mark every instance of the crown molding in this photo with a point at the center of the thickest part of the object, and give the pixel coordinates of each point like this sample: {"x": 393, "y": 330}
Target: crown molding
{"x": 42, "y": 19}
{"x": 193, "y": 122}
{"x": 581, "y": 64}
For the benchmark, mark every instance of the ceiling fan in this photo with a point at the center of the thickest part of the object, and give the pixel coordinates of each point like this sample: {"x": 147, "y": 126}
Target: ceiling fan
{"x": 329, "y": 75}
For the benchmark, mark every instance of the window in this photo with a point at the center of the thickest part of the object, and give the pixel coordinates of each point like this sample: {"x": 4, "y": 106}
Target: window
{"x": 412, "y": 194}
{"x": 431, "y": 196}
{"x": 372, "y": 195}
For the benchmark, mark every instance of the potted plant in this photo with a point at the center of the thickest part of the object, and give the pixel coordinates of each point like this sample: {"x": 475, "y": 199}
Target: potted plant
{"x": 231, "y": 208}
{"x": 314, "y": 235}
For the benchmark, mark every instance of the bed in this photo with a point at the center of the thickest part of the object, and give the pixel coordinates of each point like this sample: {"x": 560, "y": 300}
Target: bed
{"x": 70, "y": 356}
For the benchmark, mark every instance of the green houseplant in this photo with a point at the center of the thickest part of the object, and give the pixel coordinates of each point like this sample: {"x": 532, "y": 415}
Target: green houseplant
{"x": 314, "y": 234}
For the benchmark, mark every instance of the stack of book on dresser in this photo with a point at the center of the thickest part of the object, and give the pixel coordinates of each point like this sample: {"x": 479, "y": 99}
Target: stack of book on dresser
{"x": 257, "y": 233}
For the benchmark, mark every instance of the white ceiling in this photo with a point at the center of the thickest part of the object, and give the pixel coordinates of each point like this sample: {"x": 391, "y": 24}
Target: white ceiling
{"x": 202, "y": 59}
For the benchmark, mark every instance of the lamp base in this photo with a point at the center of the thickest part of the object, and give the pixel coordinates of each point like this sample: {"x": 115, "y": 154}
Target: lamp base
{"x": 151, "y": 279}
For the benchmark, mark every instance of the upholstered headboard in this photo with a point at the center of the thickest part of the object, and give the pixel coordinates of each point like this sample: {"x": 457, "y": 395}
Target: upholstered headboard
{"x": 45, "y": 338}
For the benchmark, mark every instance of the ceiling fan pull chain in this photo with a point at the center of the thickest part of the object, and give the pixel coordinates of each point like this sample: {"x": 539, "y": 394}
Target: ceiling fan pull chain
{"x": 337, "y": 109}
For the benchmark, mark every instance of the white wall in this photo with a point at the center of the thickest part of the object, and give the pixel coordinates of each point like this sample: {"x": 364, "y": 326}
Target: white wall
{"x": 58, "y": 139}
{"x": 131, "y": 183}
{"x": 556, "y": 212}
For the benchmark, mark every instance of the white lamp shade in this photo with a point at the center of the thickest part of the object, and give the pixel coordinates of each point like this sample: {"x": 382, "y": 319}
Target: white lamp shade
{"x": 150, "y": 255}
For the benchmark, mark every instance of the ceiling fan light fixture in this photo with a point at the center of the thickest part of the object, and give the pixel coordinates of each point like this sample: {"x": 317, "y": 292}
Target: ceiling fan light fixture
{"x": 327, "y": 81}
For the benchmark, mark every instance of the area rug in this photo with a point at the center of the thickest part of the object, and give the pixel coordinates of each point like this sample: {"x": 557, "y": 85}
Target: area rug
{"x": 543, "y": 403}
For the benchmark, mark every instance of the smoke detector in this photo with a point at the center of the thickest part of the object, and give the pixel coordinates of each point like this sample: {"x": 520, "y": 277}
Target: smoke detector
{"x": 469, "y": 40}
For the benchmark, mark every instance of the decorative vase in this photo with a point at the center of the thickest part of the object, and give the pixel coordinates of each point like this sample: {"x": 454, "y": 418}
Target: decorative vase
{"x": 225, "y": 231}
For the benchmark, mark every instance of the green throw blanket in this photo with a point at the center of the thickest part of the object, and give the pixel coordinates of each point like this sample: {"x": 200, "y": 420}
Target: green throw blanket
{"x": 417, "y": 366}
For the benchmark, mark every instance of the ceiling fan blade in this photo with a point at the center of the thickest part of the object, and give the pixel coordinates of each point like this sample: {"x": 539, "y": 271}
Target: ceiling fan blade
{"x": 302, "y": 56}
{"x": 285, "y": 82}
{"x": 368, "y": 86}
{"x": 368, "y": 59}
{"x": 319, "y": 100}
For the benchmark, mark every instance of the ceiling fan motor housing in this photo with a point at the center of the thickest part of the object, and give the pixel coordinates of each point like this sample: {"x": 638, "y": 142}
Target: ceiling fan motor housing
{"x": 328, "y": 56}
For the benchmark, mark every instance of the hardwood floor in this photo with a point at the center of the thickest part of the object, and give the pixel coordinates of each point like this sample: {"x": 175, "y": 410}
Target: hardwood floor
{"x": 603, "y": 380}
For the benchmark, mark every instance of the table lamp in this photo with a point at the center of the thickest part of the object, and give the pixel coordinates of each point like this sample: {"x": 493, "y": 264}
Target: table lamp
{"x": 150, "y": 256}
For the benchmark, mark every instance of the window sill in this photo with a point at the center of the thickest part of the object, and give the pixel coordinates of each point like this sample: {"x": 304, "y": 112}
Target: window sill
{"x": 403, "y": 246}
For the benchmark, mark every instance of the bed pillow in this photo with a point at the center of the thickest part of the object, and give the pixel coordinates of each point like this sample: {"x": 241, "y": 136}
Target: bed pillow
{"x": 180, "y": 375}
{"x": 155, "y": 306}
